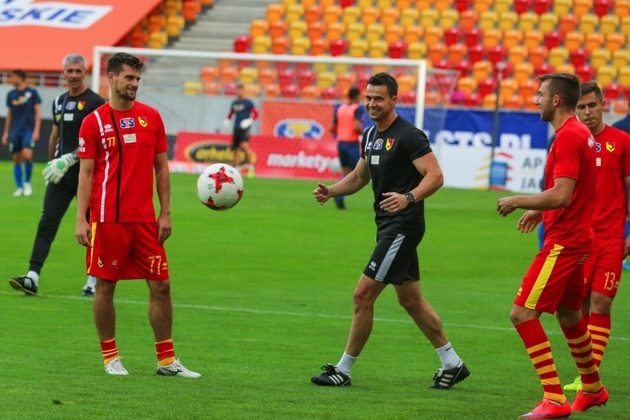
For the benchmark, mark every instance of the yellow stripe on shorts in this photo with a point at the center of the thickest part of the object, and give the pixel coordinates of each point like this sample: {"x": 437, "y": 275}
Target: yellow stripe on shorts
{"x": 543, "y": 277}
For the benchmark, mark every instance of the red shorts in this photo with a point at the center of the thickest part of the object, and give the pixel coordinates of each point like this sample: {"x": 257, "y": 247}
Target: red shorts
{"x": 602, "y": 270}
{"x": 126, "y": 251}
{"x": 555, "y": 278}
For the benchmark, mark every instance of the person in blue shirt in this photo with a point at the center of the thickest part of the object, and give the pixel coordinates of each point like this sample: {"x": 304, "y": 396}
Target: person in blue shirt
{"x": 245, "y": 113}
{"x": 624, "y": 124}
{"x": 21, "y": 129}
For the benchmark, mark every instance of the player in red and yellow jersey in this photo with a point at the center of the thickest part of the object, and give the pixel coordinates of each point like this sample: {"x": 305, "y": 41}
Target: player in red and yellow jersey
{"x": 602, "y": 270}
{"x": 122, "y": 147}
{"x": 554, "y": 281}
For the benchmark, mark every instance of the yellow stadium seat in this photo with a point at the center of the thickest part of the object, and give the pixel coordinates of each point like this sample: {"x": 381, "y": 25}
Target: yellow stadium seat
{"x": 467, "y": 84}
{"x": 310, "y": 92}
{"x": 512, "y": 38}
{"x": 406, "y": 83}
{"x": 548, "y": 22}
{"x": 488, "y": 20}
{"x": 174, "y": 26}
{"x": 523, "y": 72}
{"x": 370, "y": 15}
{"x": 606, "y": 75}
{"x": 593, "y": 41}
{"x": 157, "y": 23}
{"x": 442, "y": 5}
{"x": 294, "y": 13}
{"x": 228, "y": 74}
{"x": 385, "y": 4}
{"x": 562, "y": 7}
{"x": 457, "y": 53}
{"x": 449, "y": 18}
{"x": 345, "y": 81}
{"x": 527, "y": 90}
{"x": 267, "y": 76}
{"x": 600, "y": 57}
{"x": 326, "y": 3}
{"x": 258, "y": 27}
{"x": 517, "y": 55}
{"x": 390, "y": 16}
{"x": 429, "y": 18}
{"x": 423, "y": 4}
{"x": 490, "y": 101}
{"x": 558, "y": 56}
{"x": 582, "y": 7}
{"x": 394, "y": 33}
{"x": 326, "y": 79}
{"x": 507, "y": 21}
{"x": 158, "y": 40}
{"x": 297, "y": 29}
{"x": 508, "y": 87}
{"x": 565, "y": 68}
{"x": 252, "y": 90}
{"x": 624, "y": 77}
{"x": 403, "y": 4}
{"x": 624, "y": 26}
{"x": 433, "y": 35}
{"x": 321, "y": 67}
{"x": 622, "y": 8}
{"x": 588, "y": 24}
{"x": 300, "y": 46}
{"x": 615, "y": 42}
{"x": 335, "y": 31}
{"x": 355, "y": 31}
{"x": 481, "y": 6}
{"x": 309, "y": 3}
{"x": 173, "y": 9}
{"x": 574, "y": 40}
{"x": 272, "y": 90}
{"x": 620, "y": 59}
{"x": 248, "y": 75}
{"x": 192, "y": 87}
{"x": 332, "y": 14}
{"x": 609, "y": 24}
{"x": 513, "y": 101}
{"x": 528, "y": 21}
{"x": 410, "y": 17}
{"x": 261, "y": 45}
{"x": 351, "y": 14}
{"x": 482, "y": 70}
{"x": 492, "y": 38}
{"x": 377, "y": 48}
{"x": 364, "y": 3}
{"x": 533, "y": 39}
{"x": 417, "y": 51}
{"x": 275, "y": 12}
{"x": 503, "y": 6}
{"x": 358, "y": 48}
{"x": 288, "y": 3}
{"x": 374, "y": 32}
{"x": 413, "y": 34}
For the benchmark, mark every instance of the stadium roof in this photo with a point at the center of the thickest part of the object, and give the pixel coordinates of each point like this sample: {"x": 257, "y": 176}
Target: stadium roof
{"x": 37, "y": 34}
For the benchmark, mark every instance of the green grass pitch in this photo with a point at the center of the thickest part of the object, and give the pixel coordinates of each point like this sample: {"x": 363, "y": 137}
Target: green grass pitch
{"x": 262, "y": 298}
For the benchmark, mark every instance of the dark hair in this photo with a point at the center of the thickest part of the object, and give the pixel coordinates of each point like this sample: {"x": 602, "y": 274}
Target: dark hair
{"x": 385, "y": 79}
{"x": 565, "y": 85}
{"x": 353, "y": 93}
{"x": 590, "y": 87}
{"x": 19, "y": 73}
{"x": 117, "y": 61}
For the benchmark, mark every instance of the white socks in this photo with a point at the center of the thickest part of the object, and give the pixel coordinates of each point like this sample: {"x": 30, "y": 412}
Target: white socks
{"x": 346, "y": 362}
{"x": 34, "y": 276}
{"x": 447, "y": 354}
{"x": 91, "y": 281}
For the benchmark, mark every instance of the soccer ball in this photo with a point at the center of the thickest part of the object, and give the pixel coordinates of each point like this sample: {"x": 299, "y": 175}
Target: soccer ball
{"x": 220, "y": 186}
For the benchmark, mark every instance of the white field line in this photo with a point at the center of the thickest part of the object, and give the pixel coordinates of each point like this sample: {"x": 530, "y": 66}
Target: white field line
{"x": 294, "y": 314}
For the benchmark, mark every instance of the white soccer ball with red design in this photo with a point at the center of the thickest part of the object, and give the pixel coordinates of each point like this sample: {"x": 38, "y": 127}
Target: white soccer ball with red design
{"x": 220, "y": 186}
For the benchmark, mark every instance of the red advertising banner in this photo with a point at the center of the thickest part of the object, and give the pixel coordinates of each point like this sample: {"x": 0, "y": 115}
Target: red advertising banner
{"x": 37, "y": 34}
{"x": 276, "y": 157}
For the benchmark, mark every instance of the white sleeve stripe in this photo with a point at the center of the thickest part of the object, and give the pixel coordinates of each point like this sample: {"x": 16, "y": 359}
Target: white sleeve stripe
{"x": 101, "y": 216}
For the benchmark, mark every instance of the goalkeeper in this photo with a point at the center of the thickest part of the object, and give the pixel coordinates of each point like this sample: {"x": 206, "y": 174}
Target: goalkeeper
{"x": 62, "y": 172}
{"x": 245, "y": 113}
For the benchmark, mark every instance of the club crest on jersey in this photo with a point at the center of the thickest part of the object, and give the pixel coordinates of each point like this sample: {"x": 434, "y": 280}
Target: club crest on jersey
{"x": 128, "y": 122}
{"x": 389, "y": 143}
{"x": 143, "y": 121}
{"x": 378, "y": 144}
{"x": 81, "y": 105}
{"x": 610, "y": 146}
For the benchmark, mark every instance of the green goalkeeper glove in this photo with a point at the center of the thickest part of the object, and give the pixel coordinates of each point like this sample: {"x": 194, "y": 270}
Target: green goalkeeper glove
{"x": 57, "y": 168}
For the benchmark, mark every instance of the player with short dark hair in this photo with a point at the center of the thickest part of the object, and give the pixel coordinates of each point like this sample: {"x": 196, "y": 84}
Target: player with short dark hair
{"x": 245, "y": 113}
{"x": 397, "y": 158}
{"x": 602, "y": 270}
{"x": 347, "y": 126}
{"x": 62, "y": 172}
{"x": 123, "y": 150}
{"x": 21, "y": 129}
{"x": 554, "y": 281}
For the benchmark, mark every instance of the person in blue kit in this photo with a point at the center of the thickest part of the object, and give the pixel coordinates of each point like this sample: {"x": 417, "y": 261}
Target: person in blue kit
{"x": 624, "y": 124}
{"x": 21, "y": 129}
{"x": 347, "y": 126}
{"x": 245, "y": 113}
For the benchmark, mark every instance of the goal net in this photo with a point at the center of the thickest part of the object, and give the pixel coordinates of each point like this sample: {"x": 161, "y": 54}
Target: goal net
{"x": 295, "y": 97}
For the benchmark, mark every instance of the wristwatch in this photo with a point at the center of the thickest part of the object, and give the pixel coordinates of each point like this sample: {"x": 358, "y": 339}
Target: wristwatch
{"x": 410, "y": 198}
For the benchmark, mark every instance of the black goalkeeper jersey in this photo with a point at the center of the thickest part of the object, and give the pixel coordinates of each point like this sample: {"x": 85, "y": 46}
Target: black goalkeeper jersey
{"x": 389, "y": 156}
{"x": 68, "y": 114}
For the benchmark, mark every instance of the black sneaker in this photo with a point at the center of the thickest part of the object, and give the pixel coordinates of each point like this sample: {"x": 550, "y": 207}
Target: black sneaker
{"x": 331, "y": 377}
{"x": 340, "y": 203}
{"x": 88, "y": 291}
{"x": 24, "y": 284}
{"x": 444, "y": 379}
